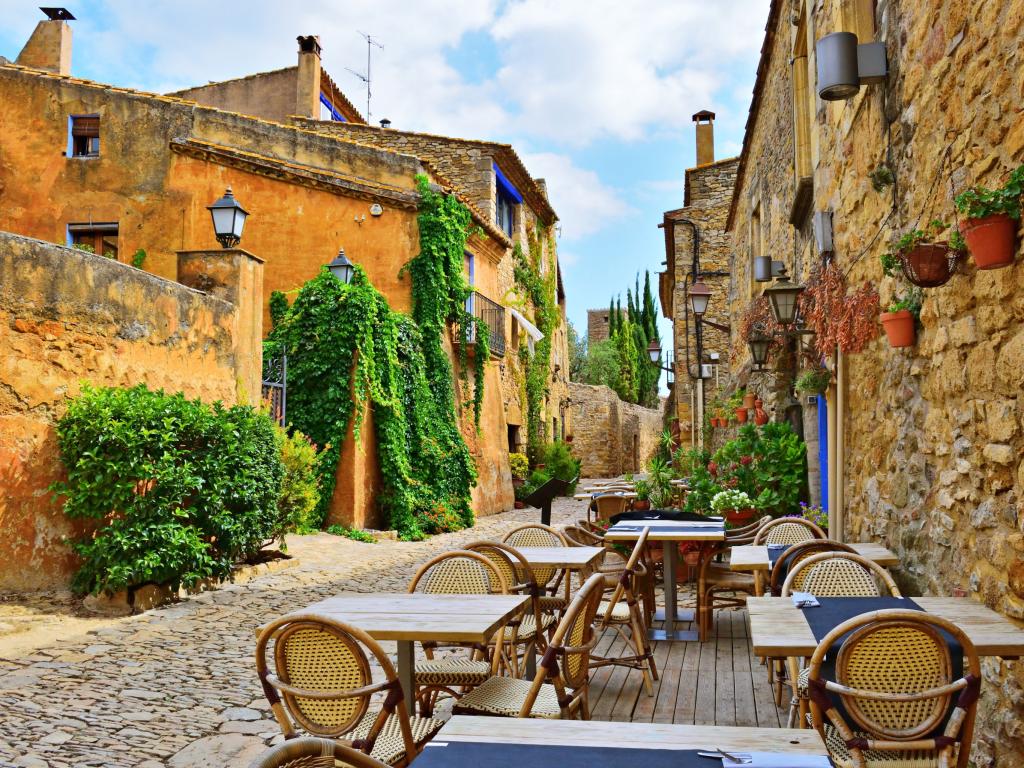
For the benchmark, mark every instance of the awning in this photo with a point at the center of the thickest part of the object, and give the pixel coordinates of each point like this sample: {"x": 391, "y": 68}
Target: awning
{"x": 531, "y": 330}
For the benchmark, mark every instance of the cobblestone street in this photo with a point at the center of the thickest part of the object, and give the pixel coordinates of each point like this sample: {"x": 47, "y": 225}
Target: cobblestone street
{"x": 176, "y": 685}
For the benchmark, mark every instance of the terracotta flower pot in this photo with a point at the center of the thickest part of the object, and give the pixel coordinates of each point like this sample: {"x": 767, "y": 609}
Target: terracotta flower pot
{"x": 749, "y": 400}
{"x": 519, "y": 504}
{"x": 641, "y": 505}
{"x": 991, "y": 240}
{"x": 741, "y": 415}
{"x": 692, "y": 557}
{"x": 899, "y": 328}
{"x": 740, "y": 516}
{"x": 928, "y": 265}
{"x": 760, "y": 418}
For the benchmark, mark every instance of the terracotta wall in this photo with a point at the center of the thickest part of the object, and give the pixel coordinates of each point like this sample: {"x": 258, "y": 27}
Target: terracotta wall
{"x": 66, "y": 317}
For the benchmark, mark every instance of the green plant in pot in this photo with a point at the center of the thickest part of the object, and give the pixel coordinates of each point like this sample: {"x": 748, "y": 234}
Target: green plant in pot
{"x": 990, "y": 229}
{"x": 922, "y": 257}
{"x": 737, "y": 407}
{"x": 734, "y": 505}
{"x": 900, "y": 317}
{"x": 814, "y": 381}
{"x": 659, "y": 483}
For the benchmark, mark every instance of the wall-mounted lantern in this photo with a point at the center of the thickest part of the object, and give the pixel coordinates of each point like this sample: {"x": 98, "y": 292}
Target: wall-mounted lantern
{"x": 766, "y": 269}
{"x": 759, "y": 344}
{"x": 844, "y": 66}
{"x": 783, "y": 297}
{"x": 700, "y": 295}
{"x": 228, "y": 220}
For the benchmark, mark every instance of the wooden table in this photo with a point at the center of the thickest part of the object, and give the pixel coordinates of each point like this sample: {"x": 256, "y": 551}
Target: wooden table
{"x": 660, "y": 531}
{"x": 778, "y": 628}
{"x": 409, "y": 618}
{"x": 755, "y": 558}
{"x": 594, "y": 733}
{"x": 567, "y": 558}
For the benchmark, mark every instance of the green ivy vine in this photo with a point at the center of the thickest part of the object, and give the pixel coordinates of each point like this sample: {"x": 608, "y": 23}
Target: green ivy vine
{"x": 347, "y": 348}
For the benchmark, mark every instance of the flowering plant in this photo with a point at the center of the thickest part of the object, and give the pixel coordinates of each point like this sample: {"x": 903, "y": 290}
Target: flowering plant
{"x": 814, "y": 513}
{"x": 731, "y": 499}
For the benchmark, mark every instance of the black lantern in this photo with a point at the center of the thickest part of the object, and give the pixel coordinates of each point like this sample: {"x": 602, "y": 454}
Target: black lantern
{"x": 700, "y": 295}
{"x": 783, "y": 297}
{"x": 654, "y": 351}
{"x": 759, "y": 344}
{"x": 341, "y": 267}
{"x": 228, "y": 220}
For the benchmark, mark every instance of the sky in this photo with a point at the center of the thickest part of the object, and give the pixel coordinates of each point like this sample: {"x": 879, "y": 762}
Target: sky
{"x": 595, "y": 96}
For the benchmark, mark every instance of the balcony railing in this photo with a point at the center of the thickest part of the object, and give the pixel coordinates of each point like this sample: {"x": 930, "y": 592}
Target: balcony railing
{"x": 491, "y": 313}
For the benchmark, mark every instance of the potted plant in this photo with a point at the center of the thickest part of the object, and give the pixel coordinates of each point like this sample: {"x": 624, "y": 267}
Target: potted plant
{"x": 643, "y": 495}
{"x": 520, "y": 466}
{"x": 736, "y": 406}
{"x": 814, "y": 381}
{"x": 922, "y": 258}
{"x": 899, "y": 320}
{"x": 992, "y": 216}
{"x": 749, "y": 398}
{"x": 691, "y": 551}
{"x": 736, "y": 506}
{"x": 659, "y": 483}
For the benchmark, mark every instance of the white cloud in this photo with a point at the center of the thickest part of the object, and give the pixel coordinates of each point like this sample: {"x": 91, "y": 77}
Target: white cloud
{"x": 584, "y": 204}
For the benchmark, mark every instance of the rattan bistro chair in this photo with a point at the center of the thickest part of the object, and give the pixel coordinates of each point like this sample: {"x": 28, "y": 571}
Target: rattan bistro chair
{"x": 746, "y": 534}
{"x": 560, "y": 688}
{"x": 795, "y": 554}
{"x": 788, "y": 530}
{"x": 719, "y": 587}
{"x": 309, "y": 752}
{"x": 322, "y": 683}
{"x": 459, "y": 572}
{"x": 550, "y": 579}
{"x": 894, "y": 677}
{"x": 608, "y": 504}
{"x": 623, "y": 611}
{"x": 829, "y": 574}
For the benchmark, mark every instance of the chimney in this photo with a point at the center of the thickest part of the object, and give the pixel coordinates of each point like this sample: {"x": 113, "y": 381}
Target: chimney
{"x": 385, "y": 123}
{"x": 49, "y": 47}
{"x": 705, "y": 121}
{"x": 542, "y": 185}
{"x": 307, "y": 85}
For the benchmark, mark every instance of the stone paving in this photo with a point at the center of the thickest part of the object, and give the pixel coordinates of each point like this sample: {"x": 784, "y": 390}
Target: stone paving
{"x": 176, "y": 686}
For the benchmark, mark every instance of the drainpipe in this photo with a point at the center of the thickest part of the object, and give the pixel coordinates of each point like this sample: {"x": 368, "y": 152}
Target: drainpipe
{"x": 840, "y": 533}
{"x": 833, "y": 486}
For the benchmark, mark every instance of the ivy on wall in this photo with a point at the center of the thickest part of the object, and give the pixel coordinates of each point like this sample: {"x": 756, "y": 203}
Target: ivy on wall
{"x": 347, "y": 348}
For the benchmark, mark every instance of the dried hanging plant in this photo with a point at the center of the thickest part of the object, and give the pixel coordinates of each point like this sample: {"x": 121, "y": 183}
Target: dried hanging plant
{"x": 758, "y": 314}
{"x": 848, "y": 321}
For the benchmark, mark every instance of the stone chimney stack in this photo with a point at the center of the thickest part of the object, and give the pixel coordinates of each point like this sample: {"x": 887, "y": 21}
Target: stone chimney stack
{"x": 307, "y": 86}
{"x": 705, "y": 121}
{"x": 49, "y": 47}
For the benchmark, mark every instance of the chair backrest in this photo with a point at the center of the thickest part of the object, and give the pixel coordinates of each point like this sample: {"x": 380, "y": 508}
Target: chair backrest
{"x": 893, "y": 675}
{"x": 566, "y": 662}
{"x": 609, "y": 504}
{"x": 797, "y": 552}
{"x": 518, "y": 574}
{"x": 535, "y": 535}
{"x": 839, "y": 574}
{"x": 577, "y": 536}
{"x": 748, "y": 531}
{"x": 322, "y": 678}
{"x": 459, "y": 572}
{"x": 788, "y": 530}
{"x": 625, "y": 587}
{"x": 310, "y": 752}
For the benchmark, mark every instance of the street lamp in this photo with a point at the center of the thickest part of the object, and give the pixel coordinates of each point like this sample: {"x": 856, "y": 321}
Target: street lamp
{"x": 783, "y": 297}
{"x": 700, "y": 296}
{"x": 654, "y": 351}
{"x": 759, "y": 344}
{"x": 228, "y": 220}
{"x": 341, "y": 267}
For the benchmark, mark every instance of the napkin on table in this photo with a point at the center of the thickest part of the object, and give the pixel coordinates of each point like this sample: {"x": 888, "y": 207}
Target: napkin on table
{"x": 805, "y": 600}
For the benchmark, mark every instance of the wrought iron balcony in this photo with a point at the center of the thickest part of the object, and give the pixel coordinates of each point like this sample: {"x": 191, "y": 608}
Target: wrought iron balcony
{"x": 491, "y": 313}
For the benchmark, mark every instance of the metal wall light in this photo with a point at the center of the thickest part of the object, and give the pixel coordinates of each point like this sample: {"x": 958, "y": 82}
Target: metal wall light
{"x": 783, "y": 298}
{"x": 759, "y": 344}
{"x": 844, "y": 65}
{"x": 700, "y": 295}
{"x": 765, "y": 269}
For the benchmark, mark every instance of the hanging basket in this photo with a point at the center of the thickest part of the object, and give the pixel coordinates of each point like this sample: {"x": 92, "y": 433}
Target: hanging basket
{"x": 929, "y": 265}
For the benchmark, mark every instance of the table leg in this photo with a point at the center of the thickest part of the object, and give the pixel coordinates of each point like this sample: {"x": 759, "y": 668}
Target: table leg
{"x": 405, "y": 673}
{"x": 670, "y": 566}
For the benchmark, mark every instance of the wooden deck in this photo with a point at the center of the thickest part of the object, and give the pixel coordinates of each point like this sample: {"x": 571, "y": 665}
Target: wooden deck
{"x": 719, "y": 682}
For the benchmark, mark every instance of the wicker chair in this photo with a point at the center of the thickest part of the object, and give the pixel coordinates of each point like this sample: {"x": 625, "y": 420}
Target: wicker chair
{"x": 713, "y": 581}
{"x": 459, "y": 572}
{"x": 746, "y": 534}
{"x": 550, "y": 579}
{"x": 623, "y": 610}
{"x": 322, "y": 683}
{"x": 522, "y": 638}
{"x": 829, "y": 574}
{"x": 308, "y": 752}
{"x": 788, "y": 530}
{"x": 606, "y": 505}
{"x": 560, "y": 688}
{"x": 894, "y": 677}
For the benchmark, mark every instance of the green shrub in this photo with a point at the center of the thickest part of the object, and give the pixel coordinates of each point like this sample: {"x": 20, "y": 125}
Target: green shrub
{"x": 180, "y": 490}
{"x": 299, "y": 491}
{"x": 536, "y": 479}
{"x": 602, "y": 364}
{"x": 519, "y": 464}
{"x": 351, "y": 533}
{"x": 559, "y": 462}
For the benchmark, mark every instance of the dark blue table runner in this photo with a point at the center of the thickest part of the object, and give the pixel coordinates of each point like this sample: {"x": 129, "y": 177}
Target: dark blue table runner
{"x": 467, "y": 754}
{"x": 666, "y": 528}
{"x": 833, "y": 611}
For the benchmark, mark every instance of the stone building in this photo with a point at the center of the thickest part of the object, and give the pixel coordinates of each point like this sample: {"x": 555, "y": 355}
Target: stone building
{"x": 598, "y": 323}
{"x": 613, "y": 437}
{"x": 130, "y": 174}
{"x": 922, "y": 445}
{"x": 697, "y": 246}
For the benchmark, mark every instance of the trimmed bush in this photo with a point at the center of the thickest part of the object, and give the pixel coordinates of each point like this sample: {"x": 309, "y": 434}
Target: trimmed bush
{"x": 180, "y": 490}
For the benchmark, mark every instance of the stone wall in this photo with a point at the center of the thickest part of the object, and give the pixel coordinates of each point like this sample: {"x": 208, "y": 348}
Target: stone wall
{"x": 933, "y": 434}
{"x": 597, "y": 325}
{"x": 68, "y": 317}
{"x": 612, "y": 437}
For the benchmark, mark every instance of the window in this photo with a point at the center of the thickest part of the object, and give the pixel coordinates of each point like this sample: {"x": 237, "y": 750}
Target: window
{"x": 506, "y": 200}
{"x": 95, "y": 238}
{"x": 85, "y": 136}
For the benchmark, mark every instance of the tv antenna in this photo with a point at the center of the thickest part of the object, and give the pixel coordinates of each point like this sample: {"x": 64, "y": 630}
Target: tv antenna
{"x": 370, "y": 42}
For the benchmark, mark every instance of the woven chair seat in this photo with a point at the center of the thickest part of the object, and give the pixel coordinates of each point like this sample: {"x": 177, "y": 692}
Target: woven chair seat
{"x": 389, "y": 747}
{"x": 876, "y": 758}
{"x": 453, "y": 671}
{"x": 620, "y": 613}
{"x": 528, "y": 625}
{"x": 505, "y": 696}
{"x": 801, "y": 683}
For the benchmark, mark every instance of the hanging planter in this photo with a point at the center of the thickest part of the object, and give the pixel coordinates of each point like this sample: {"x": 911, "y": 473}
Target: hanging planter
{"x": 899, "y": 327}
{"x": 992, "y": 217}
{"x": 921, "y": 259}
{"x": 814, "y": 381}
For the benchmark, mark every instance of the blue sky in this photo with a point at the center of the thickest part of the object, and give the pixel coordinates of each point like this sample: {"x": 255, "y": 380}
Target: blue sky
{"x": 596, "y": 96}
